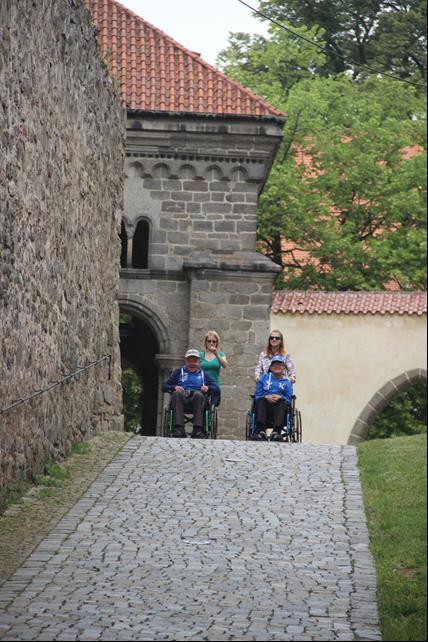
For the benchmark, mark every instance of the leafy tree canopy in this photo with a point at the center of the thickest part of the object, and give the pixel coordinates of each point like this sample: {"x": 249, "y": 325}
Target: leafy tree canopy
{"x": 387, "y": 34}
{"x": 345, "y": 205}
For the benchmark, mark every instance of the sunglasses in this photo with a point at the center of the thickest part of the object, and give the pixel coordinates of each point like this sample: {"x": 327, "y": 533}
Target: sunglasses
{"x": 274, "y": 338}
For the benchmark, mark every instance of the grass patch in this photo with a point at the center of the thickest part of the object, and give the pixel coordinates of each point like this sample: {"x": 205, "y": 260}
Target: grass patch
{"x": 12, "y": 494}
{"x": 81, "y": 448}
{"x": 54, "y": 475}
{"x": 393, "y": 474}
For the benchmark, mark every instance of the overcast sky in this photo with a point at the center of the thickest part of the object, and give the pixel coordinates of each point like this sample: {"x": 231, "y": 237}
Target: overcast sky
{"x": 200, "y": 25}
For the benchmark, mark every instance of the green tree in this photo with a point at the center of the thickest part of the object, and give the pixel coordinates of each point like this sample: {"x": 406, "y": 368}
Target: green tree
{"x": 131, "y": 394}
{"x": 344, "y": 207}
{"x": 387, "y": 34}
{"x": 405, "y": 415}
{"x": 271, "y": 67}
{"x": 343, "y": 194}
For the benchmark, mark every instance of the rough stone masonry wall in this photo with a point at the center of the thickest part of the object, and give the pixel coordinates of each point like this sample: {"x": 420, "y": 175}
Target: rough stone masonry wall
{"x": 61, "y": 173}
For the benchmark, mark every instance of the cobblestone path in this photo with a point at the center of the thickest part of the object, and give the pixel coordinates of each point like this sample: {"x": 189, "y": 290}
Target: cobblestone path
{"x": 198, "y": 540}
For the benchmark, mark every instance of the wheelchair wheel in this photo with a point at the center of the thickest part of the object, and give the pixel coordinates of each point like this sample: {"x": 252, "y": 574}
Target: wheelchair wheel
{"x": 213, "y": 422}
{"x": 248, "y": 425}
{"x": 167, "y": 422}
{"x": 296, "y": 427}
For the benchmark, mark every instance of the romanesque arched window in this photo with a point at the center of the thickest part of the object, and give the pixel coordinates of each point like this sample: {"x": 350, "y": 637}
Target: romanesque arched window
{"x": 140, "y": 246}
{"x": 124, "y": 244}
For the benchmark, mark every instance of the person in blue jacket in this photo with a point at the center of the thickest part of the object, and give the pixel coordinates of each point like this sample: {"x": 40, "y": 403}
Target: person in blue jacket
{"x": 189, "y": 386}
{"x": 273, "y": 396}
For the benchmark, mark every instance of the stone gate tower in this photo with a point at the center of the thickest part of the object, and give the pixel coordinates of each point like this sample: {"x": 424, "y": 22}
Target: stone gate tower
{"x": 199, "y": 148}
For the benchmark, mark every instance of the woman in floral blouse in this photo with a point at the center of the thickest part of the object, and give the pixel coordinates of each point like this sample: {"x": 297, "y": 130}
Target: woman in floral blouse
{"x": 274, "y": 347}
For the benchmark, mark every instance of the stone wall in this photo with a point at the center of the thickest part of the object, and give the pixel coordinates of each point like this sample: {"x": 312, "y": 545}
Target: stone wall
{"x": 61, "y": 176}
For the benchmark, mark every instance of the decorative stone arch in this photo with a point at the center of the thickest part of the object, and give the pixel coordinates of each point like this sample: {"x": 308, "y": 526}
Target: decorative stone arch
{"x": 187, "y": 171}
{"x": 381, "y": 399}
{"x": 214, "y": 173}
{"x": 151, "y": 317}
{"x": 134, "y": 169}
{"x": 161, "y": 170}
{"x": 239, "y": 174}
{"x": 144, "y": 340}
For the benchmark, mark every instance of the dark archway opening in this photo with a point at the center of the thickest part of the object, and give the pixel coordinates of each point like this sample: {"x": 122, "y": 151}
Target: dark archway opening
{"x": 140, "y": 246}
{"x": 138, "y": 347}
{"x": 124, "y": 246}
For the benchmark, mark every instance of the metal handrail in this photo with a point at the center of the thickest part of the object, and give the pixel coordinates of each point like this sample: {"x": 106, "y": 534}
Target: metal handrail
{"x": 54, "y": 384}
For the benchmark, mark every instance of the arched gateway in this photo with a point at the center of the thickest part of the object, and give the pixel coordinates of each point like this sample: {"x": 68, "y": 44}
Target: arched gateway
{"x": 381, "y": 399}
{"x": 143, "y": 337}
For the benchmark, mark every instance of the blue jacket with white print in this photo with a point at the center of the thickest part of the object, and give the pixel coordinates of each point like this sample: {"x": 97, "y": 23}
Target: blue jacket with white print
{"x": 189, "y": 380}
{"x": 270, "y": 385}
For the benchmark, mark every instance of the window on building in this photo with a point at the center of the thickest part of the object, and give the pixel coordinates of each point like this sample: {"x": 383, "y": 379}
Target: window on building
{"x": 124, "y": 244}
{"x": 140, "y": 246}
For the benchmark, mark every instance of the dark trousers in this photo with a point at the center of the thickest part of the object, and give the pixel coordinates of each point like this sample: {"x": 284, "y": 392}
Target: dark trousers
{"x": 274, "y": 412}
{"x": 189, "y": 401}
{"x": 216, "y": 398}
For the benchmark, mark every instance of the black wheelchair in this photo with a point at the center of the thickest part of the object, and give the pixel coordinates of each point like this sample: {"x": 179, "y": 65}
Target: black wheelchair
{"x": 291, "y": 432}
{"x": 209, "y": 427}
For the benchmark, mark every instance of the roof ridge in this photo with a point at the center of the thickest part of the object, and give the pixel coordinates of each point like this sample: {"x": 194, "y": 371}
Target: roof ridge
{"x": 350, "y": 302}
{"x": 336, "y": 292}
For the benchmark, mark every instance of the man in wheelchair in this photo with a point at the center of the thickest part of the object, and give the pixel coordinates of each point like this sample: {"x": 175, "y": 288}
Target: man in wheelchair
{"x": 273, "y": 398}
{"x": 189, "y": 387}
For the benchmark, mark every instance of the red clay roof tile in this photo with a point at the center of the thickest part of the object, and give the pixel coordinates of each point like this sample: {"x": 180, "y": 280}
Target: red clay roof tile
{"x": 350, "y": 302}
{"x": 178, "y": 79}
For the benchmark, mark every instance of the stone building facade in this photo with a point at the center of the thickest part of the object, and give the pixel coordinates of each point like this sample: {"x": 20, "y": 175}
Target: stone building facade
{"x": 199, "y": 148}
{"x": 202, "y": 271}
{"x": 61, "y": 193}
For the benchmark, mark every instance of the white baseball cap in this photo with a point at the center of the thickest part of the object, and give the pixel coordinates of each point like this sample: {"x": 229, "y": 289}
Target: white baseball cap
{"x": 192, "y": 353}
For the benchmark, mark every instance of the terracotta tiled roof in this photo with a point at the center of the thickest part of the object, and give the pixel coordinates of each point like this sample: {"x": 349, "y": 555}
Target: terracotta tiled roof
{"x": 155, "y": 73}
{"x": 350, "y": 302}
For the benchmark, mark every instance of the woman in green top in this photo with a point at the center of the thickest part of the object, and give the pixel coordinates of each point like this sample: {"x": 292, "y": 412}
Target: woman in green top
{"x": 212, "y": 360}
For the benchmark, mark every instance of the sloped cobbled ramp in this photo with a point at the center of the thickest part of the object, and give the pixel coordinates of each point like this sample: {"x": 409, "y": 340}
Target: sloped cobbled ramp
{"x": 205, "y": 540}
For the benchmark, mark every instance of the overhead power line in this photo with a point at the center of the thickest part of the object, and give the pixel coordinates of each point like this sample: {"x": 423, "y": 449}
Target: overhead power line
{"x": 330, "y": 51}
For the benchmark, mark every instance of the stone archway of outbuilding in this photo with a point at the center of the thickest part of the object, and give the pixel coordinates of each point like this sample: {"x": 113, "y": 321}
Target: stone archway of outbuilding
{"x": 143, "y": 336}
{"x": 149, "y": 316}
{"x": 381, "y": 399}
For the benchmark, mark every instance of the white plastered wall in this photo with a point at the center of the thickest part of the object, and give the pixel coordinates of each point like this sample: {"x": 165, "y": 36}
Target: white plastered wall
{"x": 342, "y": 361}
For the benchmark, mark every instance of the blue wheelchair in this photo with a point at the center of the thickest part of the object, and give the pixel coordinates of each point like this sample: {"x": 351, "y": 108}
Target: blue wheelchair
{"x": 291, "y": 431}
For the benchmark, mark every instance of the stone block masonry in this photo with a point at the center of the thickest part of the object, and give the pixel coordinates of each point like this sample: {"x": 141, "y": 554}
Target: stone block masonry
{"x": 61, "y": 189}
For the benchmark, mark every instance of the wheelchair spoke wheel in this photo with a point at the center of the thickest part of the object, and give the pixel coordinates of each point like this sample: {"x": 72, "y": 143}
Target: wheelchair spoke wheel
{"x": 248, "y": 425}
{"x": 166, "y": 423}
{"x": 297, "y": 428}
{"x": 213, "y": 422}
